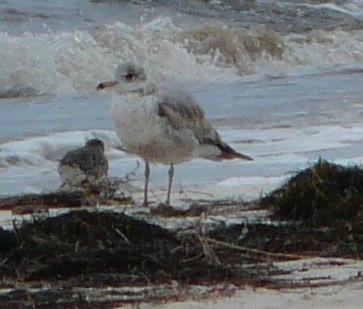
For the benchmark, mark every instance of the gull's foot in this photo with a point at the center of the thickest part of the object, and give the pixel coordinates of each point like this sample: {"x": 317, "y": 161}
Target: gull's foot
{"x": 148, "y": 203}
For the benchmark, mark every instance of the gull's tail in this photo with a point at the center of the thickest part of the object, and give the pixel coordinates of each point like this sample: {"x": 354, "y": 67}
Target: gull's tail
{"x": 216, "y": 150}
{"x": 228, "y": 153}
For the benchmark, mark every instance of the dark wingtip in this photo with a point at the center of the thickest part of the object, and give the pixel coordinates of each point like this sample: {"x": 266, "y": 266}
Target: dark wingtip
{"x": 234, "y": 155}
{"x": 228, "y": 153}
{"x": 243, "y": 157}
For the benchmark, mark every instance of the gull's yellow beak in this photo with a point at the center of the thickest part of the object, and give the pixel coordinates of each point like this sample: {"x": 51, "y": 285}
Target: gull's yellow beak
{"x": 107, "y": 84}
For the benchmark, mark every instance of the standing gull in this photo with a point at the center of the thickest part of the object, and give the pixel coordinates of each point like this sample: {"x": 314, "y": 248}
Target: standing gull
{"x": 162, "y": 127}
{"x": 85, "y": 165}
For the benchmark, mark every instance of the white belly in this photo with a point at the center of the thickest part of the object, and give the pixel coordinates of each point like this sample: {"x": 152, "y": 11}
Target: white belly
{"x": 71, "y": 176}
{"x": 143, "y": 132}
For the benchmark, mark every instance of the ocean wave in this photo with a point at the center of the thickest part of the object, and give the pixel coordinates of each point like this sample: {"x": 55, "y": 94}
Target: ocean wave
{"x": 41, "y": 150}
{"x": 74, "y": 62}
{"x": 226, "y": 47}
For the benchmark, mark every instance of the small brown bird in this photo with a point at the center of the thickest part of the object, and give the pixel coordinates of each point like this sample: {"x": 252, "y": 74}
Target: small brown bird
{"x": 85, "y": 165}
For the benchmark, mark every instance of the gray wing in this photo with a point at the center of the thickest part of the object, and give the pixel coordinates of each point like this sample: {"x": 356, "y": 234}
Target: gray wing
{"x": 181, "y": 111}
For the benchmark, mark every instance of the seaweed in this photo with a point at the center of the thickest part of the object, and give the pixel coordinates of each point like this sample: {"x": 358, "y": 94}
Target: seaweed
{"x": 55, "y": 260}
{"x": 83, "y": 243}
{"x": 324, "y": 194}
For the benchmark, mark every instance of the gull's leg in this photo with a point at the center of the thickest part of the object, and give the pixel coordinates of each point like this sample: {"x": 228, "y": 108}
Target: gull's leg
{"x": 147, "y": 176}
{"x": 171, "y": 174}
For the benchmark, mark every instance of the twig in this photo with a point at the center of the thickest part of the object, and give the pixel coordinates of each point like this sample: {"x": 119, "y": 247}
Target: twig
{"x": 123, "y": 236}
{"x": 133, "y": 172}
{"x": 251, "y": 250}
{"x": 209, "y": 254}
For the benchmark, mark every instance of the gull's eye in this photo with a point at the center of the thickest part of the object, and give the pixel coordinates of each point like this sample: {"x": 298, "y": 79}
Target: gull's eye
{"x": 101, "y": 86}
{"x": 129, "y": 77}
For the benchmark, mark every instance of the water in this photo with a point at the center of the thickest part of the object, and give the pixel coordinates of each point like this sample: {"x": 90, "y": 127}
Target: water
{"x": 280, "y": 80}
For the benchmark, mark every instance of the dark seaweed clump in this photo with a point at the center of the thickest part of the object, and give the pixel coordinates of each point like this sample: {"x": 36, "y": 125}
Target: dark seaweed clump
{"x": 324, "y": 194}
{"x": 318, "y": 212}
{"x": 286, "y": 241}
{"x": 101, "y": 250}
{"x": 82, "y": 243}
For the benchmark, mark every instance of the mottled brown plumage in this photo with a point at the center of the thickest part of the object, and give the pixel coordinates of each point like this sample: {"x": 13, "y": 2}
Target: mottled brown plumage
{"x": 85, "y": 164}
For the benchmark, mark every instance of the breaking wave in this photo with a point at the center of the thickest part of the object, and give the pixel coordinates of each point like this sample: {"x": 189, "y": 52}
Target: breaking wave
{"x": 73, "y": 62}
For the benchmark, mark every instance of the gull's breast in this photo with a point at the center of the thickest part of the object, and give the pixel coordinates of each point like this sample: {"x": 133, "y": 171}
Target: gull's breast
{"x": 143, "y": 132}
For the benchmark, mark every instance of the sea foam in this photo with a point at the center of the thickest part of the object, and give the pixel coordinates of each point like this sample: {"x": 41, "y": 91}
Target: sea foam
{"x": 74, "y": 62}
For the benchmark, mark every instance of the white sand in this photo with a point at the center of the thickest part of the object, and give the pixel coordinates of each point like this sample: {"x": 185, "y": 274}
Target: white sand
{"x": 348, "y": 295}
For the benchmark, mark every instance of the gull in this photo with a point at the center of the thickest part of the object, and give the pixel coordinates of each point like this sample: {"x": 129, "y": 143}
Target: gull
{"x": 85, "y": 165}
{"x": 161, "y": 126}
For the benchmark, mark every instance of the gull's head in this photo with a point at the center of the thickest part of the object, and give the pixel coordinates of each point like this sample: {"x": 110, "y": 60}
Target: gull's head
{"x": 96, "y": 144}
{"x": 130, "y": 72}
{"x": 126, "y": 73}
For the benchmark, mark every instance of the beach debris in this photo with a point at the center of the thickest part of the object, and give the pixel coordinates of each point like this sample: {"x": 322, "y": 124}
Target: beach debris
{"x": 94, "y": 257}
{"x": 323, "y": 194}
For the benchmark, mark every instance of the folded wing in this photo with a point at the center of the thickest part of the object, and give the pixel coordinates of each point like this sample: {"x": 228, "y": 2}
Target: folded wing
{"x": 182, "y": 112}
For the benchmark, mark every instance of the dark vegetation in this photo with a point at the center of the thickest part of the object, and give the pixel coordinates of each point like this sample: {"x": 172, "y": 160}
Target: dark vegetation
{"x": 84, "y": 243}
{"x": 324, "y": 194}
{"x": 319, "y": 212}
